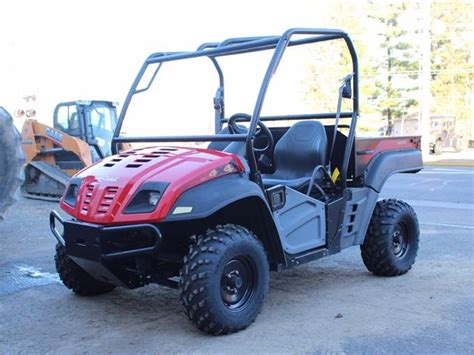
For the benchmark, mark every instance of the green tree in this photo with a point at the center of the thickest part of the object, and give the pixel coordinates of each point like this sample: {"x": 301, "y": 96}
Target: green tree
{"x": 330, "y": 62}
{"x": 452, "y": 65}
{"x": 387, "y": 61}
{"x": 396, "y": 65}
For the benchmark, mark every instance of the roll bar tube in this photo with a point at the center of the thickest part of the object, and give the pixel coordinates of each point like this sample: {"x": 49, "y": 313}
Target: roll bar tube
{"x": 232, "y": 46}
{"x": 275, "y": 61}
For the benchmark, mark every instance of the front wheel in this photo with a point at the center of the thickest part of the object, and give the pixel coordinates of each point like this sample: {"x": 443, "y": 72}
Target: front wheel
{"x": 391, "y": 243}
{"x": 75, "y": 278}
{"x": 224, "y": 279}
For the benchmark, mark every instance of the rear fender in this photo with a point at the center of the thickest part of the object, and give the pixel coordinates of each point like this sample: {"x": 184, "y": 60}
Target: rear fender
{"x": 390, "y": 162}
{"x": 362, "y": 200}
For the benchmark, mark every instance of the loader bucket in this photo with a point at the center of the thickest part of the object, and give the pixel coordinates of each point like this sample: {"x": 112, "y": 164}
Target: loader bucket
{"x": 11, "y": 161}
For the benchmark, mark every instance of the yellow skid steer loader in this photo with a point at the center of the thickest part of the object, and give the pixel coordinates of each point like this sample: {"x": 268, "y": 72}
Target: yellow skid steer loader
{"x": 81, "y": 135}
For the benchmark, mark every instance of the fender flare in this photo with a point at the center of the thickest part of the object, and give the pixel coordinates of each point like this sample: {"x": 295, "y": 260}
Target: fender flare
{"x": 390, "y": 162}
{"x": 227, "y": 191}
{"x": 212, "y": 196}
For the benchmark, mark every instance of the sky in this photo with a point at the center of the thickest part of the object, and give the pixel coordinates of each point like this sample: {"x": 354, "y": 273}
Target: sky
{"x": 67, "y": 50}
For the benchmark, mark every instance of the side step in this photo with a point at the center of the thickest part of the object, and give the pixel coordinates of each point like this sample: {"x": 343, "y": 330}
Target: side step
{"x": 44, "y": 181}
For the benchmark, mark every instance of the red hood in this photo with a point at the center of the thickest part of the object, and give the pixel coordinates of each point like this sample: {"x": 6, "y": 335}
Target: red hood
{"x": 108, "y": 186}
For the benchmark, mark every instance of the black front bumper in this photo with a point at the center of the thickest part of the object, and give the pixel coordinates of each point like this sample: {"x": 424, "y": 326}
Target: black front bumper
{"x": 107, "y": 253}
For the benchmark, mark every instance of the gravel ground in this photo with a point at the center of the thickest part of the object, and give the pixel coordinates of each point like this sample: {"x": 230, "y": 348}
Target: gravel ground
{"x": 331, "y": 305}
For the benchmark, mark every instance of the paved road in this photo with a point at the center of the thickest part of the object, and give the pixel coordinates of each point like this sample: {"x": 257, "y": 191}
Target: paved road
{"x": 430, "y": 309}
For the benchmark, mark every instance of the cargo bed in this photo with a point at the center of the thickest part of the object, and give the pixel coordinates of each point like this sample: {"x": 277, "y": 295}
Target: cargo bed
{"x": 367, "y": 147}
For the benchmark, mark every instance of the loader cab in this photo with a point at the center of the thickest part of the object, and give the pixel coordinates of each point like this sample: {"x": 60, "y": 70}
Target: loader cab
{"x": 101, "y": 119}
{"x": 67, "y": 120}
{"x": 90, "y": 121}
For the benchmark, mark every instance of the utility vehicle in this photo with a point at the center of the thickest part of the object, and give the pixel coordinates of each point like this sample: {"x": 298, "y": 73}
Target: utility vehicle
{"x": 214, "y": 221}
{"x": 444, "y": 132}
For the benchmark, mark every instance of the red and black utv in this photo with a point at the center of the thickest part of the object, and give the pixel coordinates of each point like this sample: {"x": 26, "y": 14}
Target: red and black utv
{"x": 213, "y": 222}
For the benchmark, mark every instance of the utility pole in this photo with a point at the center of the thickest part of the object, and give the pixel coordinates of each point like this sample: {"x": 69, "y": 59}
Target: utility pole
{"x": 425, "y": 116}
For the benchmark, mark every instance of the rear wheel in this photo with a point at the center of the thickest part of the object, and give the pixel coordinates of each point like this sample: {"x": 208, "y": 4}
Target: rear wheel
{"x": 391, "y": 243}
{"x": 224, "y": 279}
{"x": 75, "y": 278}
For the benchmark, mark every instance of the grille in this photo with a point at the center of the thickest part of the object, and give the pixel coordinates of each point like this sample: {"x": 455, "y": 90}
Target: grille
{"x": 350, "y": 218}
{"x": 88, "y": 198}
{"x": 107, "y": 199}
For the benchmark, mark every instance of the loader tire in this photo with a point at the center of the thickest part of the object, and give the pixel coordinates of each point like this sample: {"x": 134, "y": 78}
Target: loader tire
{"x": 11, "y": 161}
{"x": 224, "y": 279}
{"x": 75, "y": 278}
{"x": 391, "y": 242}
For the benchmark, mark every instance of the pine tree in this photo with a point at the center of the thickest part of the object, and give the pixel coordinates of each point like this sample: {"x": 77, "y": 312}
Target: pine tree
{"x": 396, "y": 66}
{"x": 451, "y": 60}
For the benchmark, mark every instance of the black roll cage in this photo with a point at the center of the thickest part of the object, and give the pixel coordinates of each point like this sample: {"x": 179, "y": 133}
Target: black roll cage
{"x": 234, "y": 46}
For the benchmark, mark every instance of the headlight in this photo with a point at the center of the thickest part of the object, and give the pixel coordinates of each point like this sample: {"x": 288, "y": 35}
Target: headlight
{"x": 146, "y": 198}
{"x": 153, "y": 198}
{"x": 72, "y": 192}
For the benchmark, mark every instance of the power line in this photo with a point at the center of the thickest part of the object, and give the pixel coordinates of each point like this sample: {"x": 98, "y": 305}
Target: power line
{"x": 408, "y": 72}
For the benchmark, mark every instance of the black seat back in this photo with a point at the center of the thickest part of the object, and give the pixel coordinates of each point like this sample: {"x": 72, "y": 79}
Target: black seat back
{"x": 300, "y": 150}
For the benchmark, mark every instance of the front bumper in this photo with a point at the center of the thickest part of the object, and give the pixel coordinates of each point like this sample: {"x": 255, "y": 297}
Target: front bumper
{"x": 97, "y": 249}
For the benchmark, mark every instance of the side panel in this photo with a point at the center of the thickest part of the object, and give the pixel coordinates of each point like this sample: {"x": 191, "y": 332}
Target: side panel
{"x": 387, "y": 163}
{"x": 357, "y": 216}
{"x": 301, "y": 223}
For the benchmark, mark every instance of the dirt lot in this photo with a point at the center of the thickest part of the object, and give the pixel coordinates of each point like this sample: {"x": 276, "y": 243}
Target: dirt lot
{"x": 331, "y": 305}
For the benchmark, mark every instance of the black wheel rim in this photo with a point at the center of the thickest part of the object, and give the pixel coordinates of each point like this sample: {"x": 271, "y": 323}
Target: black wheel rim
{"x": 238, "y": 283}
{"x": 400, "y": 241}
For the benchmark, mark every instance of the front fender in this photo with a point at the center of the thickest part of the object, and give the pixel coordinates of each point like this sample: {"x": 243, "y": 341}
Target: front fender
{"x": 205, "y": 199}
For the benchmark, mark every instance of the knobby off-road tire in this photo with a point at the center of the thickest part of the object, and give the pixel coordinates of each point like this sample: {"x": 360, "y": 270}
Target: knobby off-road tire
{"x": 391, "y": 242}
{"x": 75, "y": 278}
{"x": 224, "y": 279}
{"x": 11, "y": 161}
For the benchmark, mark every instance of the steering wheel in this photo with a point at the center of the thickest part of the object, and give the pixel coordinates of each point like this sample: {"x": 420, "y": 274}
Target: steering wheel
{"x": 262, "y": 131}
